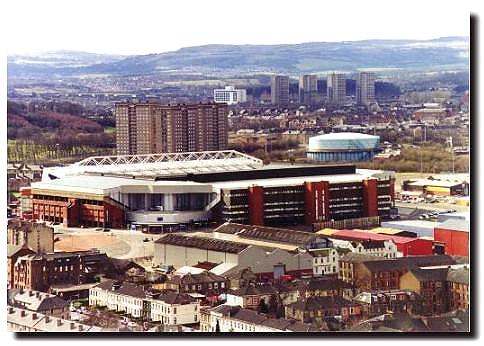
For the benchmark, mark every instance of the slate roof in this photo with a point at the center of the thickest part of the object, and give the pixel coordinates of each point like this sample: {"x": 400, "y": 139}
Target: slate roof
{"x": 323, "y": 302}
{"x": 131, "y": 290}
{"x": 268, "y": 233}
{"x": 201, "y": 243}
{"x": 254, "y": 317}
{"x": 460, "y": 276}
{"x": 253, "y": 290}
{"x": 176, "y": 298}
{"x": 189, "y": 278}
{"x": 322, "y": 284}
{"x": 14, "y": 249}
{"x": 434, "y": 274}
{"x": 377, "y": 264}
{"x": 39, "y": 301}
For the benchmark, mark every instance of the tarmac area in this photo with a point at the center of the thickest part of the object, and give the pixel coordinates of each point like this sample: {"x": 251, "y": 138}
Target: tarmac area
{"x": 117, "y": 243}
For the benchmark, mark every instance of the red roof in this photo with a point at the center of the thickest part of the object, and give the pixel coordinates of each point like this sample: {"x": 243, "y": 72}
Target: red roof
{"x": 206, "y": 265}
{"x": 362, "y": 235}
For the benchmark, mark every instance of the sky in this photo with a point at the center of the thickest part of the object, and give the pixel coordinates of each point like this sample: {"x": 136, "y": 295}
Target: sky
{"x": 150, "y": 26}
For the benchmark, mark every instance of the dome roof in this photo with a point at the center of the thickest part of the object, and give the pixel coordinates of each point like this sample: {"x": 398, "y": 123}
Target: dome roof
{"x": 343, "y": 141}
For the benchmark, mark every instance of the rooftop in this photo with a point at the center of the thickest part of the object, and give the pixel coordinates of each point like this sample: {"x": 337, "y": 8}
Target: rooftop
{"x": 39, "y": 301}
{"x": 322, "y": 302}
{"x": 460, "y": 276}
{"x": 165, "y": 164}
{"x": 268, "y": 233}
{"x": 455, "y": 224}
{"x": 369, "y": 236}
{"x": 377, "y": 264}
{"x": 201, "y": 243}
{"x": 346, "y": 135}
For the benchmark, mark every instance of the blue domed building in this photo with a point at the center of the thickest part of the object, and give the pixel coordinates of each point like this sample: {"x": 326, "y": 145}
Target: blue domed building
{"x": 343, "y": 146}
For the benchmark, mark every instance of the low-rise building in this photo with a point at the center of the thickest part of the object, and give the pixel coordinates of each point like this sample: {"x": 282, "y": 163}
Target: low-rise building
{"x": 264, "y": 258}
{"x": 375, "y": 303}
{"x": 41, "y": 302}
{"x": 325, "y": 261}
{"x": 250, "y": 296}
{"x": 405, "y": 245}
{"x": 206, "y": 283}
{"x": 374, "y": 247}
{"x": 430, "y": 285}
{"x": 168, "y": 307}
{"x": 454, "y": 234}
{"x": 319, "y": 309}
{"x": 22, "y": 320}
{"x": 458, "y": 288}
{"x": 442, "y": 288}
{"x": 369, "y": 273}
{"x": 226, "y": 318}
{"x": 37, "y": 236}
{"x": 42, "y": 272}
{"x": 14, "y": 252}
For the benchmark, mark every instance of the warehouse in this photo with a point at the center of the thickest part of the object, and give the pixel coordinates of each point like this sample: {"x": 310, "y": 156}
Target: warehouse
{"x": 343, "y": 146}
{"x": 264, "y": 259}
{"x": 162, "y": 191}
{"x": 454, "y": 234}
{"x": 435, "y": 187}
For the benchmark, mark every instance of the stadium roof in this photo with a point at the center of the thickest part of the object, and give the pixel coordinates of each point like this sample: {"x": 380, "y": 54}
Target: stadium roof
{"x": 164, "y": 164}
{"x": 345, "y": 135}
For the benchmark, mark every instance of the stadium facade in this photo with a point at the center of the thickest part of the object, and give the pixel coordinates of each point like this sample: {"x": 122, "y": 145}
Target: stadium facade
{"x": 173, "y": 189}
{"x": 343, "y": 146}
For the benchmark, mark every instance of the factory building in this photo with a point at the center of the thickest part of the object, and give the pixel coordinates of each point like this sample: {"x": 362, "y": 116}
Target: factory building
{"x": 159, "y": 191}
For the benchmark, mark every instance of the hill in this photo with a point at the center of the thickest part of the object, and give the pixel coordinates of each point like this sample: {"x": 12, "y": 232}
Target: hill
{"x": 444, "y": 53}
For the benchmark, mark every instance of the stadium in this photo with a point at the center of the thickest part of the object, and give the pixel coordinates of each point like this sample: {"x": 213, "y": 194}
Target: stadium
{"x": 169, "y": 191}
{"x": 343, "y": 146}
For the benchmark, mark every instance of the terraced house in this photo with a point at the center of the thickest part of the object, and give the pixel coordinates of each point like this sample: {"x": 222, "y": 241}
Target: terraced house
{"x": 167, "y": 307}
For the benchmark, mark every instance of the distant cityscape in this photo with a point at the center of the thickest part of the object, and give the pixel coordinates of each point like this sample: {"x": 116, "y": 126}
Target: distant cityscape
{"x": 229, "y": 201}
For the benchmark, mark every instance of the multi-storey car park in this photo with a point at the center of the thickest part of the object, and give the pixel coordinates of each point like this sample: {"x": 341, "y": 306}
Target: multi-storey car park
{"x": 159, "y": 191}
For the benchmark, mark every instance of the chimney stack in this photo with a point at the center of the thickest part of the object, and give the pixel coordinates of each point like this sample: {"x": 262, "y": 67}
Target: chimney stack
{"x": 37, "y": 294}
{"x": 73, "y": 325}
{"x": 22, "y": 313}
{"x": 10, "y": 310}
{"x": 34, "y": 316}
{"x": 80, "y": 328}
{"x": 47, "y": 319}
{"x": 31, "y": 293}
{"x": 59, "y": 322}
